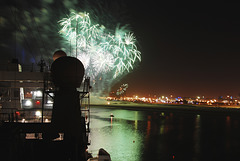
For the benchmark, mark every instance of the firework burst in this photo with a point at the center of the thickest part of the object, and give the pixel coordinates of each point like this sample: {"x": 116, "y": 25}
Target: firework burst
{"x": 100, "y": 51}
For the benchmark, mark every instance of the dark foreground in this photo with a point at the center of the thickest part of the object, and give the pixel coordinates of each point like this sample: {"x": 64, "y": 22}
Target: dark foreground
{"x": 15, "y": 146}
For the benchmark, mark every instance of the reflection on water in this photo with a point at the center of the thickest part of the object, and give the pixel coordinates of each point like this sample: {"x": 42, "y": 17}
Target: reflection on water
{"x": 147, "y": 135}
{"x": 119, "y": 135}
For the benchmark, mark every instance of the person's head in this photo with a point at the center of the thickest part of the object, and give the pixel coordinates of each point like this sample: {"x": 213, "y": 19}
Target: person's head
{"x": 58, "y": 54}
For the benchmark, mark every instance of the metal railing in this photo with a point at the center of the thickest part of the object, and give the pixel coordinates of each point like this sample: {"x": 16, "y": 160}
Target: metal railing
{"x": 25, "y": 68}
{"x": 8, "y": 115}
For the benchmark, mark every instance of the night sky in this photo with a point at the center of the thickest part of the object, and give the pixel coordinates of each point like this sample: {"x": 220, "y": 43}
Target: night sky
{"x": 188, "y": 49}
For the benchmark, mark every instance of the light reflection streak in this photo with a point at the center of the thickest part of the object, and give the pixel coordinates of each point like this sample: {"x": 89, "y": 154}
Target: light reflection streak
{"x": 111, "y": 121}
{"x": 136, "y": 120}
{"x": 162, "y": 127}
{"x": 228, "y": 132}
{"x": 148, "y": 126}
{"x": 197, "y": 137}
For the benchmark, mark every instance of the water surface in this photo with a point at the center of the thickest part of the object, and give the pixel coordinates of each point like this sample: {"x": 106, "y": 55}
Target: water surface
{"x": 135, "y": 135}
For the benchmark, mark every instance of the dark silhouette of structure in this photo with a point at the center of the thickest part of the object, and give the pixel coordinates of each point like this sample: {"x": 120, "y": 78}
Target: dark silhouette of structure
{"x": 15, "y": 145}
{"x": 58, "y": 54}
{"x": 67, "y": 75}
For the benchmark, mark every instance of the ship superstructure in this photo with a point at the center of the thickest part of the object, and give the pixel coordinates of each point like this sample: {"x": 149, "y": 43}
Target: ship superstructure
{"x": 26, "y": 104}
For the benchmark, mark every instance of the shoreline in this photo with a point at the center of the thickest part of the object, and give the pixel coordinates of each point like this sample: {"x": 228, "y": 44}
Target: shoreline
{"x": 228, "y": 110}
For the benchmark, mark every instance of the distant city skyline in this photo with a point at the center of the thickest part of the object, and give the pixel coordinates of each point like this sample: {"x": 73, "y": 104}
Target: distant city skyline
{"x": 144, "y": 93}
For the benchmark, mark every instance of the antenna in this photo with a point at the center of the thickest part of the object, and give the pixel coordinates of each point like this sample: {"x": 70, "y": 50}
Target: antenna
{"x": 76, "y": 35}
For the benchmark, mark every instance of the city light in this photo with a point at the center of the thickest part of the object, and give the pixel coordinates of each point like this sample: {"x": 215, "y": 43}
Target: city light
{"x": 227, "y": 101}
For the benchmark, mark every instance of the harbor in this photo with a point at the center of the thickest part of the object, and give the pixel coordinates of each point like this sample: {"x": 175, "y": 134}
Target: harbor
{"x": 142, "y": 135}
{"x": 119, "y": 80}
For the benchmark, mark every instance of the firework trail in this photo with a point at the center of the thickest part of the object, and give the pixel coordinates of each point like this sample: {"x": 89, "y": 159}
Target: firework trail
{"x": 104, "y": 55}
{"x": 122, "y": 89}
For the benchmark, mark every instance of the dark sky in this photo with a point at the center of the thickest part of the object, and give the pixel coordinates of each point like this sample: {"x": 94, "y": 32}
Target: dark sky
{"x": 188, "y": 49}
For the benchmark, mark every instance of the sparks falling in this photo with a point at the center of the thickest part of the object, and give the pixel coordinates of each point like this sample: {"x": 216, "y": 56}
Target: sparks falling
{"x": 100, "y": 51}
